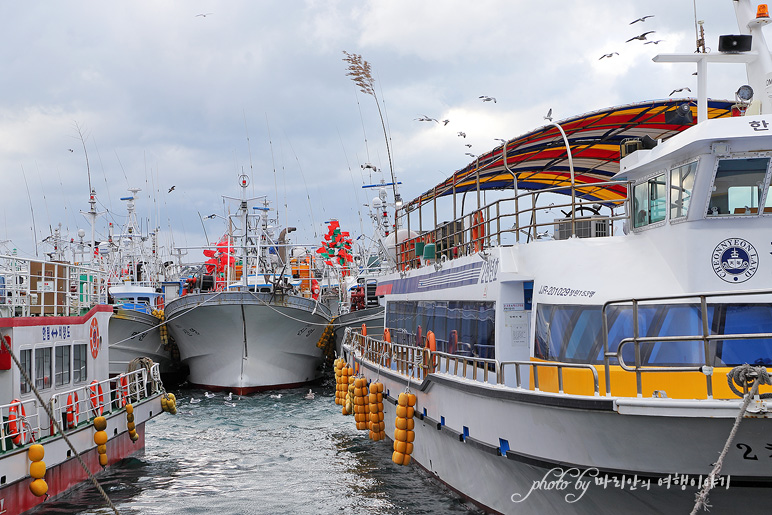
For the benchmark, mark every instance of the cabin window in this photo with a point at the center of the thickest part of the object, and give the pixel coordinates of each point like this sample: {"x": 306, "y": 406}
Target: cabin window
{"x": 474, "y": 323}
{"x": 25, "y": 358}
{"x": 573, "y": 333}
{"x": 649, "y": 201}
{"x": 79, "y": 363}
{"x": 62, "y": 365}
{"x": 738, "y": 187}
{"x": 42, "y": 368}
{"x": 681, "y": 185}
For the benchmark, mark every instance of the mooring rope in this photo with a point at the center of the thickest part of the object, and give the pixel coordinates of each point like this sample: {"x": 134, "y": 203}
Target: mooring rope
{"x": 743, "y": 375}
{"x": 58, "y": 427}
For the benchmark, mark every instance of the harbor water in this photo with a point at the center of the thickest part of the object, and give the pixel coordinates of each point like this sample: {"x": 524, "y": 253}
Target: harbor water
{"x": 261, "y": 454}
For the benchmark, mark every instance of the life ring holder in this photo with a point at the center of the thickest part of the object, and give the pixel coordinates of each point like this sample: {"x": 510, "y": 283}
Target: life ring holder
{"x": 97, "y": 398}
{"x": 478, "y": 230}
{"x": 72, "y": 410}
{"x": 16, "y": 422}
{"x": 431, "y": 347}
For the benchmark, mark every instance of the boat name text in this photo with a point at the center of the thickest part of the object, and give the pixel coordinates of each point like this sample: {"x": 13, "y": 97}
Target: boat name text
{"x": 490, "y": 271}
{"x": 557, "y": 291}
{"x": 57, "y": 332}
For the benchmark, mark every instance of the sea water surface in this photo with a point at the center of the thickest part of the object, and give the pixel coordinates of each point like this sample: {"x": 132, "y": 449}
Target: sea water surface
{"x": 271, "y": 453}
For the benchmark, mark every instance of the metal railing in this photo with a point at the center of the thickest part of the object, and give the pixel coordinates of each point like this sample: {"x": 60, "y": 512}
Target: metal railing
{"x": 45, "y": 288}
{"x": 465, "y": 235}
{"x": 75, "y": 407}
{"x": 706, "y": 337}
{"x": 536, "y": 365}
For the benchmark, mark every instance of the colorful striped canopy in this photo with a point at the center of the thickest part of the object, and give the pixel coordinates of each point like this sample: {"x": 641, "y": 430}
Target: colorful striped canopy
{"x": 539, "y": 158}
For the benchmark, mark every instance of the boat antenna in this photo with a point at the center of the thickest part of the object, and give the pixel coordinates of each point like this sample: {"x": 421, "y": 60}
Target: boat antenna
{"x": 699, "y": 31}
{"x": 353, "y": 183}
{"x": 308, "y": 196}
{"x": 32, "y": 211}
{"x": 273, "y": 165}
{"x": 249, "y": 150}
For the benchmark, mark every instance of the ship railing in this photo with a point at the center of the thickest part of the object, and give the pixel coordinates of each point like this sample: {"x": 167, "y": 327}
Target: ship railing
{"x": 46, "y": 288}
{"x": 706, "y": 337}
{"x": 25, "y": 424}
{"x": 75, "y": 407}
{"x": 418, "y": 362}
{"x": 513, "y": 219}
{"x": 469, "y": 367}
{"x": 534, "y": 367}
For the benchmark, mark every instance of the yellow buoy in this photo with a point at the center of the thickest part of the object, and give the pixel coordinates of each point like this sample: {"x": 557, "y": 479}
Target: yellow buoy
{"x": 130, "y": 426}
{"x": 38, "y": 487}
{"x": 100, "y": 423}
{"x": 36, "y": 452}
{"x": 103, "y": 460}
{"x": 101, "y": 449}
{"x": 37, "y": 469}
{"x": 100, "y": 438}
{"x": 130, "y": 408}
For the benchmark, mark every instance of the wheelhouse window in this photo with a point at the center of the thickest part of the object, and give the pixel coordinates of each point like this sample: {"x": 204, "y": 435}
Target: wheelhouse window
{"x": 43, "y": 368}
{"x": 79, "y": 363}
{"x": 25, "y": 358}
{"x": 62, "y": 365}
{"x": 681, "y": 186}
{"x": 574, "y": 333}
{"x": 740, "y": 187}
{"x": 650, "y": 201}
{"x": 473, "y": 323}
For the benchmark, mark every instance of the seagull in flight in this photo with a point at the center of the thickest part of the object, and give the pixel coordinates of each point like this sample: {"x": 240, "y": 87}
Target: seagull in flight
{"x": 425, "y": 118}
{"x": 654, "y": 42}
{"x": 549, "y": 115}
{"x": 612, "y": 54}
{"x": 462, "y": 134}
{"x": 680, "y": 90}
{"x": 468, "y": 145}
{"x": 203, "y": 15}
{"x": 642, "y": 19}
{"x": 71, "y": 150}
{"x": 171, "y": 189}
{"x": 641, "y": 37}
{"x": 500, "y": 139}
{"x": 486, "y": 98}
{"x": 445, "y": 122}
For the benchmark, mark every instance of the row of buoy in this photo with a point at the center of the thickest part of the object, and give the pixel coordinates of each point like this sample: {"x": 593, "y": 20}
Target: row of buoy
{"x": 327, "y": 342}
{"x": 403, "y": 429}
{"x": 130, "y": 422}
{"x": 343, "y": 375}
{"x": 352, "y": 392}
{"x": 160, "y": 315}
{"x": 37, "y": 470}
{"x": 376, "y": 425}
{"x": 361, "y": 403}
{"x": 168, "y": 403}
{"x": 100, "y": 439}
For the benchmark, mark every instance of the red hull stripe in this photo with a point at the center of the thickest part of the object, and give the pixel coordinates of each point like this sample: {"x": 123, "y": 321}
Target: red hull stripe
{"x": 238, "y": 390}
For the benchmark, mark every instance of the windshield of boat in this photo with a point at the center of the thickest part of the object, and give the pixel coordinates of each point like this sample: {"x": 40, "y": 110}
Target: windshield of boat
{"x": 573, "y": 333}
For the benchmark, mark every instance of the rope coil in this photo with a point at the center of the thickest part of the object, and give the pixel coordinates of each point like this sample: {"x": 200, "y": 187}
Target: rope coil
{"x": 744, "y": 375}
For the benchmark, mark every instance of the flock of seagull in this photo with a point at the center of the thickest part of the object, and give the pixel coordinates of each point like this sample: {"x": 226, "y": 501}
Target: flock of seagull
{"x": 460, "y": 134}
{"x": 229, "y": 398}
{"x": 643, "y": 37}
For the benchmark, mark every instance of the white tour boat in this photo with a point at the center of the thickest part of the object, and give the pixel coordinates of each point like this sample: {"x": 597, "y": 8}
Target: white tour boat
{"x": 54, "y": 320}
{"x": 243, "y": 324}
{"x": 603, "y": 367}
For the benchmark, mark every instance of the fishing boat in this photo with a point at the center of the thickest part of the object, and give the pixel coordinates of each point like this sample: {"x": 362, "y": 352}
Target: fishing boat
{"x": 244, "y": 323}
{"x": 55, "y": 388}
{"x": 612, "y": 358}
{"x": 135, "y": 291}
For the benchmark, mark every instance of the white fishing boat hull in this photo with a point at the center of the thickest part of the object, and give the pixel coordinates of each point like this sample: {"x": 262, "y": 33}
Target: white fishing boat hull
{"x": 247, "y": 342}
{"x": 134, "y": 334}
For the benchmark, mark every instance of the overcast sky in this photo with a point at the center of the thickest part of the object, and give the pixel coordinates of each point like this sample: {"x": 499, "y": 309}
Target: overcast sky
{"x": 164, "y": 96}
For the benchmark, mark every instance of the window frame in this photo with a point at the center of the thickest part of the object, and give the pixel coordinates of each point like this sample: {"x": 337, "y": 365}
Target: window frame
{"x": 764, "y": 194}
{"x": 648, "y": 180}
{"x": 671, "y": 187}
